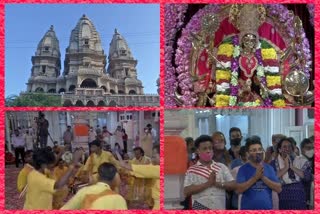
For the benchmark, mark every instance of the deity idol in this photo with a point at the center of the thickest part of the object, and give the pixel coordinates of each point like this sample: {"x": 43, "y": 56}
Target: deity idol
{"x": 242, "y": 60}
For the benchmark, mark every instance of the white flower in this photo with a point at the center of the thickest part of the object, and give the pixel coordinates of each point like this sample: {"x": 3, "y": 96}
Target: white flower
{"x": 276, "y": 91}
{"x": 258, "y": 46}
{"x": 223, "y": 87}
{"x": 236, "y": 51}
{"x": 272, "y": 69}
{"x": 260, "y": 71}
{"x": 234, "y": 74}
{"x": 224, "y": 64}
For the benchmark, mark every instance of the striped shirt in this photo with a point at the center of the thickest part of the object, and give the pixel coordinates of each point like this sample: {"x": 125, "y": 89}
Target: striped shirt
{"x": 214, "y": 198}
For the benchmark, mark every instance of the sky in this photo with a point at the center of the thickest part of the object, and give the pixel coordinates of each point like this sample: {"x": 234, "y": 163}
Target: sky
{"x": 26, "y": 24}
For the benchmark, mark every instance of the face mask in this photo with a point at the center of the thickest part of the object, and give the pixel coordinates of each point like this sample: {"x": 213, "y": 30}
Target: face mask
{"x": 258, "y": 158}
{"x": 236, "y": 141}
{"x": 205, "y": 156}
{"x": 309, "y": 154}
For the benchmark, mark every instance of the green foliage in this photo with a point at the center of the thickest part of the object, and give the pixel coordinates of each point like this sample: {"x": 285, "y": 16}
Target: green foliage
{"x": 33, "y": 99}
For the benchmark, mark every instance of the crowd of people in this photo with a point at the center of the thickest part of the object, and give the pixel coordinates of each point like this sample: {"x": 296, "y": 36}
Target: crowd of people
{"x": 249, "y": 177}
{"x": 106, "y": 177}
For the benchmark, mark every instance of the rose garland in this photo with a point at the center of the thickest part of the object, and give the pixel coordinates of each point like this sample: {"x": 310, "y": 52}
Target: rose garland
{"x": 189, "y": 97}
{"x": 174, "y": 16}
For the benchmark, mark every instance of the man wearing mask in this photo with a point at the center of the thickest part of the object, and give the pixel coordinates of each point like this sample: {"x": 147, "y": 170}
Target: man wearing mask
{"x": 153, "y": 133}
{"x": 207, "y": 180}
{"x": 235, "y": 137}
{"x": 18, "y": 143}
{"x": 271, "y": 152}
{"x": 92, "y": 135}
{"x": 68, "y": 136}
{"x": 307, "y": 151}
{"x": 43, "y": 132}
{"x": 256, "y": 179}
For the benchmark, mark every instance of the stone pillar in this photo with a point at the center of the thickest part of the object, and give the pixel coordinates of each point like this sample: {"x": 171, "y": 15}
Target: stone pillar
{"x": 62, "y": 125}
{"x": 116, "y": 89}
{"x": 141, "y": 125}
{"x": 108, "y": 86}
{"x": 8, "y": 138}
{"x": 174, "y": 124}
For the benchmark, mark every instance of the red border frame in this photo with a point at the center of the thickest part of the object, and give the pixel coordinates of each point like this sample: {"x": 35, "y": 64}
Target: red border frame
{"x": 160, "y": 108}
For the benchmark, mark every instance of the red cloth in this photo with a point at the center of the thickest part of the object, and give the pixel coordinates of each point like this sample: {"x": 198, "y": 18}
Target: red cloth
{"x": 81, "y": 130}
{"x": 175, "y": 155}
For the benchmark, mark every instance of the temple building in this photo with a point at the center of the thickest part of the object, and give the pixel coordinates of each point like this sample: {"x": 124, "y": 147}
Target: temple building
{"x": 87, "y": 79}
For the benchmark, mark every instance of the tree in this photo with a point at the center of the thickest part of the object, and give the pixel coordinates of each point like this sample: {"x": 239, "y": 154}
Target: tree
{"x": 33, "y": 99}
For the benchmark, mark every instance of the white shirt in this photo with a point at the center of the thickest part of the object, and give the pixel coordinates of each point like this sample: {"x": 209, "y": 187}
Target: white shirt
{"x": 92, "y": 136}
{"x": 18, "y": 141}
{"x": 154, "y": 135}
{"x": 214, "y": 198}
{"x": 29, "y": 141}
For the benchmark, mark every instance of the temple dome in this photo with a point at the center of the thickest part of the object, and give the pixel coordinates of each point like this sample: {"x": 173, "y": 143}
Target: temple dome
{"x": 49, "y": 44}
{"x": 84, "y": 36}
{"x": 119, "y": 47}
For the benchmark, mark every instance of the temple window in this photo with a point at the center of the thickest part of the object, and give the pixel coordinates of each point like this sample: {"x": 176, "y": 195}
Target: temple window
{"x": 43, "y": 69}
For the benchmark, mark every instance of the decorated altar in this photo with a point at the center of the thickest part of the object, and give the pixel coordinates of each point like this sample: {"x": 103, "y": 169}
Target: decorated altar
{"x": 237, "y": 55}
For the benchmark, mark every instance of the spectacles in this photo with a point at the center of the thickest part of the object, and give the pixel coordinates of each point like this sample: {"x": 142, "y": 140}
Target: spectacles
{"x": 256, "y": 150}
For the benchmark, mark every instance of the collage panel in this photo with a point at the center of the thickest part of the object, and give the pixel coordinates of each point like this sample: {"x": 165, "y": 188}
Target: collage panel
{"x": 261, "y": 159}
{"x": 71, "y": 160}
{"x": 239, "y": 55}
{"x": 94, "y": 57}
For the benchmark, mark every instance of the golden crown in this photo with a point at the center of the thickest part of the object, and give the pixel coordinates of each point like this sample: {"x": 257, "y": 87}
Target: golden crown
{"x": 247, "y": 18}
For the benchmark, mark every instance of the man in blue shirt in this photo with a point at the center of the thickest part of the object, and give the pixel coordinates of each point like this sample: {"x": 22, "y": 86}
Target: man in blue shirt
{"x": 256, "y": 179}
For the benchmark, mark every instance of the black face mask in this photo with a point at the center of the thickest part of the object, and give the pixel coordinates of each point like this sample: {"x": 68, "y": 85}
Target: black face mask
{"x": 258, "y": 158}
{"x": 236, "y": 141}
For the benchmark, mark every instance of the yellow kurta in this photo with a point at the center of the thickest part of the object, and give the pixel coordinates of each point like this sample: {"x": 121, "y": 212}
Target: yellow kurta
{"x": 22, "y": 177}
{"x": 109, "y": 202}
{"x": 40, "y": 192}
{"x": 146, "y": 145}
{"x": 60, "y": 195}
{"x": 139, "y": 189}
{"x": 153, "y": 172}
{"x": 94, "y": 161}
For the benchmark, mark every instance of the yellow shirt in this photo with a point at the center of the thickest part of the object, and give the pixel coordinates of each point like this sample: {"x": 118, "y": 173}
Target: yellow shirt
{"x": 109, "y": 202}
{"x": 22, "y": 177}
{"x": 94, "y": 161}
{"x": 150, "y": 171}
{"x": 40, "y": 192}
{"x": 58, "y": 172}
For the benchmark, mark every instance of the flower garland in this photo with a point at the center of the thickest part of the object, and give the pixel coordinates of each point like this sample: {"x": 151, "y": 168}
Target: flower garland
{"x": 311, "y": 13}
{"x": 268, "y": 73}
{"x": 303, "y": 48}
{"x": 174, "y": 16}
{"x": 182, "y": 58}
{"x": 227, "y": 86}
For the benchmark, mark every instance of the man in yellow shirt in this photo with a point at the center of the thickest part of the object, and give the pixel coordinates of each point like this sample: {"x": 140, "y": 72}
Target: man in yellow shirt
{"x": 148, "y": 171}
{"x": 23, "y": 174}
{"x": 97, "y": 157}
{"x": 40, "y": 188}
{"x": 99, "y": 196}
{"x": 139, "y": 189}
{"x": 61, "y": 194}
